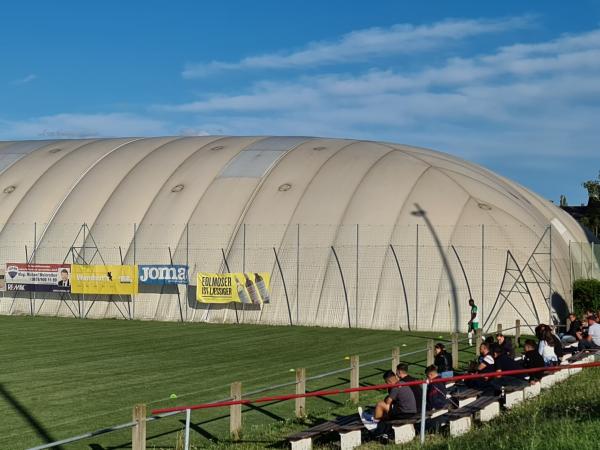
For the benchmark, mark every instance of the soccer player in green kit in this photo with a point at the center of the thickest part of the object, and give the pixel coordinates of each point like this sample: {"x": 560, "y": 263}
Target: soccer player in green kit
{"x": 474, "y": 322}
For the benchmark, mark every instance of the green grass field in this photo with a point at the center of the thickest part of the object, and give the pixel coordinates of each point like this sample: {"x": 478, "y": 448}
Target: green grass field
{"x": 63, "y": 377}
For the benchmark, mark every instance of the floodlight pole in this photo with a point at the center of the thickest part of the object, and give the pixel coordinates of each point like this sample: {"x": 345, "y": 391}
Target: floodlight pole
{"x": 419, "y": 212}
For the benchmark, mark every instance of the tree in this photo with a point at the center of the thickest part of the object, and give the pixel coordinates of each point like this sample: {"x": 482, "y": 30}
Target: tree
{"x": 563, "y": 201}
{"x": 593, "y": 188}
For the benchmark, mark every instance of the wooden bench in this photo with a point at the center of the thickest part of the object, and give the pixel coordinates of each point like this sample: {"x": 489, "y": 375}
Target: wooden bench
{"x": 463, "y": 396}
{"x": 347, "y": 426}
{"x": 350, "y": 429}
{"x": 484, "y": 409}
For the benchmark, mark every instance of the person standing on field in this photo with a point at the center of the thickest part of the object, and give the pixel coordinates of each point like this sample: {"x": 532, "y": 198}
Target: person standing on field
{"x": 474, "y": 321}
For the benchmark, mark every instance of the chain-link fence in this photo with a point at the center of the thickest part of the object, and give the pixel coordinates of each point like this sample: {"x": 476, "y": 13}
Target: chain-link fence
{"x": 416, "y": 277}
{"x": 585, "y": 260}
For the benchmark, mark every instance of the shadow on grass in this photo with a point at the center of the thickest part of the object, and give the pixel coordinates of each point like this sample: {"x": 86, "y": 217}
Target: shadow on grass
{"x": 25, "y": 414}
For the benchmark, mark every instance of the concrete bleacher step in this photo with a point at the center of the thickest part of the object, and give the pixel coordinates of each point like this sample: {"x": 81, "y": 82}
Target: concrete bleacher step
{"x": 533, "y": 390}
{"x": 404, "y": 433}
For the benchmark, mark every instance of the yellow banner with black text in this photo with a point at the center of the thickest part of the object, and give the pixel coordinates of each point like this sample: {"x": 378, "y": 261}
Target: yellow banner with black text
{"x": 104, "y": 280}
{"x": 246, "y": 288}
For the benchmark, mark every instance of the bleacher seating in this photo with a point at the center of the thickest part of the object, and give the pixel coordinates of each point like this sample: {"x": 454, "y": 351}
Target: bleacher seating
{"x": 469, "y": 405}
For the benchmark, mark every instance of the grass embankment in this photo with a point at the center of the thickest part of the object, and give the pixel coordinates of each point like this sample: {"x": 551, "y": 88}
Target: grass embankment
{"x": 63, "y": 377}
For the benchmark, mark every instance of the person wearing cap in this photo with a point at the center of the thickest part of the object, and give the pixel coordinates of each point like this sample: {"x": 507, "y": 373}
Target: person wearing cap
{"x": 593, "y": 334}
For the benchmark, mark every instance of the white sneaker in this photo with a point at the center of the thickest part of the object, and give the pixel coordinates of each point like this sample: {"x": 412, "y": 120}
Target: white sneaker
{"x": 367, "y": 419}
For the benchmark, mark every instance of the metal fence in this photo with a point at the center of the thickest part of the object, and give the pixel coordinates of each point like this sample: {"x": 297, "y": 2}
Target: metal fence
{"x": 416, "y": 277}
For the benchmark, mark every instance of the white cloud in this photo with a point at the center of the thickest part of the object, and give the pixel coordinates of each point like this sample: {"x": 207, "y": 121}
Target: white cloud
{"x": 362, "y": 45}
{"x": 534, "y": 101}
{"x": 26, "y": 79}
{"x": 65, "y": 126}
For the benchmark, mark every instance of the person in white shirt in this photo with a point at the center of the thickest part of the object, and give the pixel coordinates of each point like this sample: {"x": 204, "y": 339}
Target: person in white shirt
{"x": 546, "y": 348}
{"x": 593, "y": 332}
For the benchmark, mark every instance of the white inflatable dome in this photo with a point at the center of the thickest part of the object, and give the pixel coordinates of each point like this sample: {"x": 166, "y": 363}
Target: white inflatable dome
{"x": 366, "y": 234}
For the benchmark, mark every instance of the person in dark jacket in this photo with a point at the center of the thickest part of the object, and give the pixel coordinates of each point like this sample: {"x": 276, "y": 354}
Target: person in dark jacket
{"x": 575, "y": 326}
{"x": 558, "y": 346}
{"x": 443, "y": 361}
{"x": 506, "y": 344}
{"x": 485, "y": 364}
{"x": 436, "y": 392}
{"x": 532, "y": 360}
{"x": 503, "y": 363}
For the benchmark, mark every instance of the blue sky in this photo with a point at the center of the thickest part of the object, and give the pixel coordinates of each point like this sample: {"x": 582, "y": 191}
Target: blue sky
{"x": 511, "y": 85}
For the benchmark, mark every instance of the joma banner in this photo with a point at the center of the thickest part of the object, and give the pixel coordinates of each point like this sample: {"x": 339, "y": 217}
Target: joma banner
{"x": 104, "y": 280}
{"x": 247, "y": 288}
{"x": 37, "y": 277}
{"x": 163, "y": 274}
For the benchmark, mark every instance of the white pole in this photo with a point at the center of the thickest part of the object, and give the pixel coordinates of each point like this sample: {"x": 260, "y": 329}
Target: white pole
{"x": 592, "y": 260}
{"x": 423, "y": 410}
{"x": 188, "y": 413}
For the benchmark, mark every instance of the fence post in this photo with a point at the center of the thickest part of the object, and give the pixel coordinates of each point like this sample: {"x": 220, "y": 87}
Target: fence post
{"x": 477, "y": 340}
{"x": 429, "y": 352}
{"x": 354, "y": 376}
{"x": 518, "y": 332}
{"x": 455, "y": 351}
{"x": 188, "y": 418}
{"x": 301, "y": 389}
{"x": 138, "y": 432}
{"x": 395, "y": 358}
{"x": 423, "y": 411}
{"x": 499, "y": 328}
{"x": 235, "y": 411}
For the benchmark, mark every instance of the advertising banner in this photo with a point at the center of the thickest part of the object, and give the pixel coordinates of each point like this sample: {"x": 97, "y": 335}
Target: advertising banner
{"x": 163, "y": 274}
{"x": 104, "y": 280}
{"x": 247, "y": 288}
{"x": 37, "y": 277}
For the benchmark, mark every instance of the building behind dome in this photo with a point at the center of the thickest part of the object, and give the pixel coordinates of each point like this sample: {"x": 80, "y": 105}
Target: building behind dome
{"x": 355, "y": 233}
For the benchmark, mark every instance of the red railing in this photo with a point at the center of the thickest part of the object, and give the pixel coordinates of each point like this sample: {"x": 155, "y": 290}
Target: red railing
{"x": 372, "y": 388}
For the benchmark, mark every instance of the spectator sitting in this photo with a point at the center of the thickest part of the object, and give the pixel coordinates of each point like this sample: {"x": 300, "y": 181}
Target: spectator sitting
{"x": 503, "y": 362}
{"x": 404, "y": 377}
{"x": 584, "y": 321}
{"x": 399, "y": 403}
{"x": 570, "y": 337}
{"x": 546, "y": 348}
{"x": 558, "y": 346}
{"x": 443, "y": 361}
{"x": 436, "y": 392}
{"x": 592, "y": 340}
{"x": 486, "y": 359}
{"x": 533, "y": 360}
{"x": 506, "y": 344}
{"x": 485, "y": 364}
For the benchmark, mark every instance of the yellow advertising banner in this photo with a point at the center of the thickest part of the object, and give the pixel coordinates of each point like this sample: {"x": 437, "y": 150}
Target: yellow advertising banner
{"x": 104, "y": 280}
{"x": 247, "y": 288}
